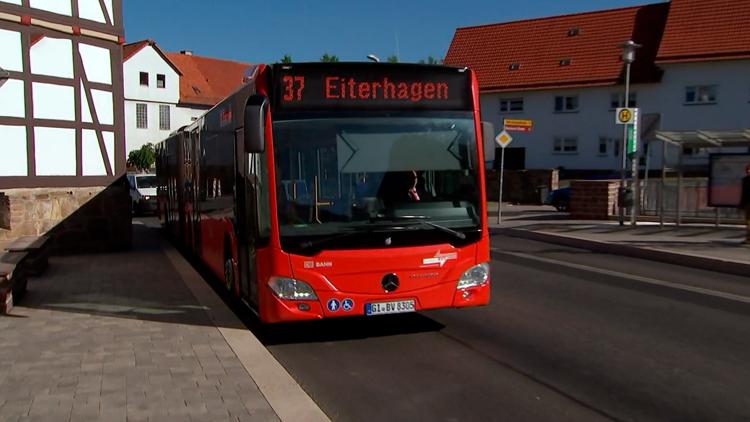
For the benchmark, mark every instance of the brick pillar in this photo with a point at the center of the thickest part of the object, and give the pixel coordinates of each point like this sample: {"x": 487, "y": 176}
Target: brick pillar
{"x": 593, "y": 199}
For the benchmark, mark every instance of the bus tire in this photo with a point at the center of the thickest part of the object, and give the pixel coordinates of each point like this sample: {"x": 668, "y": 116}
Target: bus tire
{"x": 229, "y": 275}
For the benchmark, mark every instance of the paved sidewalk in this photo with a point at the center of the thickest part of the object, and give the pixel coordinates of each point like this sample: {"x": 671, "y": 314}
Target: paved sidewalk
{"x": 697, "y": 245}
{"x": 118, "y": 337}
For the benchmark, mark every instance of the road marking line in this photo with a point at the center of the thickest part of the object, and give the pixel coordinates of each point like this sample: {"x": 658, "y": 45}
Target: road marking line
{"x": 647, "y": 280}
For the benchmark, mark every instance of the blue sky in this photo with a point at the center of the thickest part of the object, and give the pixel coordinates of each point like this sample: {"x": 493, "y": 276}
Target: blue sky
{"x": 264, "y": 31}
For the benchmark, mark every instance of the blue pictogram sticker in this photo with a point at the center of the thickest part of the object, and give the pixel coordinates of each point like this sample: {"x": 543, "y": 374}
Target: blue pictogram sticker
{"x": 347, "y": 305}
{"x": 333, "y": 305}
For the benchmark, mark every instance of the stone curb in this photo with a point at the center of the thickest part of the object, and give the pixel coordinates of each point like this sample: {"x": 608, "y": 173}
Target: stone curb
{"x": 286, "y": 397}
{"x": 652, "y": 254}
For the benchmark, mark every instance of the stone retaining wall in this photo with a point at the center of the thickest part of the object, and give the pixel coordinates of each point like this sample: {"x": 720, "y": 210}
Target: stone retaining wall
{"x": 90, "y": 219}
{"x": 4, "y": 212}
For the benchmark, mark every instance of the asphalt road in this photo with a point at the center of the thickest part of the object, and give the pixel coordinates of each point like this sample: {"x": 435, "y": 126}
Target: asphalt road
{"x": 569, "y": 335}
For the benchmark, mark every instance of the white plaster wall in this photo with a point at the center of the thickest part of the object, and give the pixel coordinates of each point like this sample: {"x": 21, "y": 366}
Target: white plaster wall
{"x": 93, "y": 164}
{"x": 18, "y": 2}
{"x": 10, "y": 50}
{"x": 52, "y": 57}
{"x": 148, "y": 60}
{"x": 732, "y": 109}
{"x": 186, "y": 115}
{"x": 96, "y": 63}
{"x": 90, "y": 9}
{"x": 13, "y": 160}
{"x": 135, "y": 137}
{"x": 53, "y": 101}
{"x": 62, "y": 7}
{"x": 12, "y": 100}
{"x": 594, "y": 119}
{"x": 104, "y": 106}
{"x": 55, "y": 150}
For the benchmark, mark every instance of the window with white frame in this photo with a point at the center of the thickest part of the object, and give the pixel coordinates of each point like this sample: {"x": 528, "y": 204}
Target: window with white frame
{"x": 565, "y": 145}
{"x": 701, "y": 94}
{"x": 164, "y": 117}
{"x": 141, "y": 116}
{"x": 511, "y": 105}
{"x": 566, "y": 103}
{"x": 161, "y": 80}
{"x": 143, "y": 77}
{"x": 617, "y": 100}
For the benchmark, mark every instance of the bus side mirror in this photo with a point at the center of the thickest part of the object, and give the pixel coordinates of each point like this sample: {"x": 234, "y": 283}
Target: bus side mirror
{"x": 488, "y": 137}
{"x": 255, "y": 124}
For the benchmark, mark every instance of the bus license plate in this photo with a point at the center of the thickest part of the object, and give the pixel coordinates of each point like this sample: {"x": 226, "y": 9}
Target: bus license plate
{"x": 395, "y": 307}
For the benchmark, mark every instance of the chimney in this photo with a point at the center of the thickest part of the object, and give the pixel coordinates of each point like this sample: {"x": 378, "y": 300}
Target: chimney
{"x": 186, "y": 52}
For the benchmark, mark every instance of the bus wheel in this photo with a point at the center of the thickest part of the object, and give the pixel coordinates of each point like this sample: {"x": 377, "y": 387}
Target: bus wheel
{"x": 228, "y": 272}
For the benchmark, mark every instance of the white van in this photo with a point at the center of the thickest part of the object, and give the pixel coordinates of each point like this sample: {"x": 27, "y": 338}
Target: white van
{"x": 143, "y": 192}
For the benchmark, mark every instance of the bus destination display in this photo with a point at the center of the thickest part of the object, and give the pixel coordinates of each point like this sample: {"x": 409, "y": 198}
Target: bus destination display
{"x": 314, "y": 87}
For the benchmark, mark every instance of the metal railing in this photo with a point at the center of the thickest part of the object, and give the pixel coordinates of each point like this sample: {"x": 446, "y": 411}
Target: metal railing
{"x": 693, "y": 201}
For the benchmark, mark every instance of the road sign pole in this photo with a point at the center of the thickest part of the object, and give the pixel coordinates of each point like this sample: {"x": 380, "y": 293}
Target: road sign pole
{"x": 624, "y": 148}
{"x": 500, "y": 195}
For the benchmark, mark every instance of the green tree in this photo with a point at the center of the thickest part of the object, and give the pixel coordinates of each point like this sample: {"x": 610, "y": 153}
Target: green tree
{"x": 287, "y": 59}
{"x": 430, "y": 60}
{"x": 326, "y": 58}
{"x": 142, "y": 158}
{"x": 392, "y": 59}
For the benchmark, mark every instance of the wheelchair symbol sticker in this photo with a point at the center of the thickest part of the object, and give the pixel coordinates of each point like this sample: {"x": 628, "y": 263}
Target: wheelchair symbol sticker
{"x": 347, "y": 305}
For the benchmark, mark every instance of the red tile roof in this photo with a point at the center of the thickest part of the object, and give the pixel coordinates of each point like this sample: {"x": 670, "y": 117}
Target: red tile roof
{"x": 129, "y": 50}
{"x": 538, "y": 46}
{"x": 699, "y": 30}
{"x": 206, "y": 81}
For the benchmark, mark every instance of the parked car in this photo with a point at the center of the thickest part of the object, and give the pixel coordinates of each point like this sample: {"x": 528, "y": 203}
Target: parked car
{"x": 142, "y": 192}
{"x": 559, "y": 198}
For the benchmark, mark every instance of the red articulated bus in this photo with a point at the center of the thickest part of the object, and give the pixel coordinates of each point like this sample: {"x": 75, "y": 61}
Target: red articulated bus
{"x": 323, "y": 190}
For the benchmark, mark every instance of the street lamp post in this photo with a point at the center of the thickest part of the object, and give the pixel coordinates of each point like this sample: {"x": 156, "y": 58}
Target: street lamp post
{"x": 628, "y": 57}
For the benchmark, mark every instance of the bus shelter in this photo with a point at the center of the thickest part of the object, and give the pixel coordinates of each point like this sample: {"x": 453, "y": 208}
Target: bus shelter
{"x": 718, "y": 141}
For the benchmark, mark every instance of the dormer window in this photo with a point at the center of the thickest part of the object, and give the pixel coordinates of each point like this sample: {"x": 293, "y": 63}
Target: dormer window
{"x": 565, "y": 62}
{"x": 572, "y": 32}
{"x": 514, "y": 66}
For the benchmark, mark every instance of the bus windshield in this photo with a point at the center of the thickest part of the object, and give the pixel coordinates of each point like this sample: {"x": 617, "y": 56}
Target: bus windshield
{"x": 345, "y": 174}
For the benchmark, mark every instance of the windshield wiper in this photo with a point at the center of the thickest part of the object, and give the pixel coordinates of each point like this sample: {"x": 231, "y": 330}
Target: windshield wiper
{"x": 422, "y": 219}
{"x": 354, "y": 230}
{"x": 458, "y": 234}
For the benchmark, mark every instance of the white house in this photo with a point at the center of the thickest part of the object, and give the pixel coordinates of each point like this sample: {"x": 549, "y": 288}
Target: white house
{"x": 152, "y": 91}
{"x": 565, "y": 73}
{"x": 165, "y": 91}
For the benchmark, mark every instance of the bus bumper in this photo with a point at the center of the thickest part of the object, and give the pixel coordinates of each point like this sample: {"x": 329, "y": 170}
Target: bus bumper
{"x": 334, "y": 304}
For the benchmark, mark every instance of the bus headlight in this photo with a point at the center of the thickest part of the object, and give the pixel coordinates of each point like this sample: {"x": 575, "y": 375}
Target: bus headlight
{"x": 474, "y": 276}
{"x": 291, "y": 289}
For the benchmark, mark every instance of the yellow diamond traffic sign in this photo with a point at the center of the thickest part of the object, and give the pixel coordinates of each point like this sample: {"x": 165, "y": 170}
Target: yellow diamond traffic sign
{"x": 503, "y": 139}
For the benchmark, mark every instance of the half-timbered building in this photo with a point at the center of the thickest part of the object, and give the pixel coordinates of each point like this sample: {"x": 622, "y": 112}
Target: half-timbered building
{"x": 62, "y": 141}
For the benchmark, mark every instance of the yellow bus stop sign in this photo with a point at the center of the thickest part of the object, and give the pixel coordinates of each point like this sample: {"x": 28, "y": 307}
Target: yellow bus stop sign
{"x": 625, "y": 116}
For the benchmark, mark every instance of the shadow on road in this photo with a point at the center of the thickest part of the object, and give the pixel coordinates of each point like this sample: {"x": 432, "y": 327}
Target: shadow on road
{"x": 349, "y": 328}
